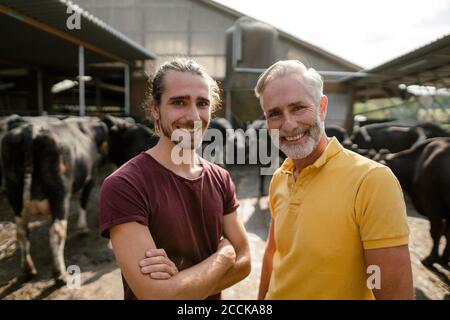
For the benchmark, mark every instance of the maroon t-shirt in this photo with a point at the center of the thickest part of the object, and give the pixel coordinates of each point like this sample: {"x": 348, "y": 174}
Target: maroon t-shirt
{"x": 184, "y": 216}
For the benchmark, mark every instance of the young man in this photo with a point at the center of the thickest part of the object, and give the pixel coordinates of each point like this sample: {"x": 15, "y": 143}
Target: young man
{"x": 167, "y": 216}
{"x": 339, "y": 228}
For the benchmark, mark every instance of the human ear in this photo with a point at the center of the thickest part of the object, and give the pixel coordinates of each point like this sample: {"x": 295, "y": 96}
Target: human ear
{"x": 323, "y": 107}
{"x": 154, "y": 110}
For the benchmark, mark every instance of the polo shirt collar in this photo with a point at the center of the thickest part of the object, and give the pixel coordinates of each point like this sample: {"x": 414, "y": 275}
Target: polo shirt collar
{"x": 333, "y": 148}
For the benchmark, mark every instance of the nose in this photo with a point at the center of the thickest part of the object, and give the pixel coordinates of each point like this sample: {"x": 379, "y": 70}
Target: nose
{"x": 193, "y": 114}
{"x": 289, "y": 124}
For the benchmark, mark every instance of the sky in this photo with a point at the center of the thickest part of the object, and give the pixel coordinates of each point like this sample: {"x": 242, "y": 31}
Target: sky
{"x": 365, "y": 32}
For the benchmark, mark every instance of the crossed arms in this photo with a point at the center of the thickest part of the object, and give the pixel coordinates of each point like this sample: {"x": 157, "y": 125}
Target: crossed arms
{"x": 227, "y": 266}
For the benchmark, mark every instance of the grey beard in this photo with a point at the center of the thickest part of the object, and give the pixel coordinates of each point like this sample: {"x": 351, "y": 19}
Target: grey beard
{"x": 302, "y": 150}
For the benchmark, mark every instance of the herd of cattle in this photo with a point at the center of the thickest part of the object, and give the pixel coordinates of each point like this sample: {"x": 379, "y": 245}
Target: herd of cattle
{"x": 45, "y": 160}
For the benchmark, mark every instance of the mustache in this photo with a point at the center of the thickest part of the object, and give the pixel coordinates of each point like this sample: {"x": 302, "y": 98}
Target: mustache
{"x": 295, "y": 132}
{"x": 191, "y": 125}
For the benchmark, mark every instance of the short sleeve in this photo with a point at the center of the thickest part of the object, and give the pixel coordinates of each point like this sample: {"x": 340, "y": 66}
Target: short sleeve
{"x": 380, "y": 210}
{"x": 231, "y": 202}
{"x": 120, "y": 202}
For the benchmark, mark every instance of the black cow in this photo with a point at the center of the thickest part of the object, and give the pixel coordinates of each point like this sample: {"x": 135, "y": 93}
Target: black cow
{"x": 338, "y": 132}
{"x": 222, "y": 144}
{"x": 147, "y": 122}
{"x": 45, "y": 163}
{"x": 424, "y": 173}
{"x": 127, "y": 139}
{"x": 263, "y": 139}
{"x": 257, "y": 136}
{"x": 387, "y": 136}
{"x": 111, "y": 121}
{"x": 433, "y": 130}
{"x": 395, "y": 137}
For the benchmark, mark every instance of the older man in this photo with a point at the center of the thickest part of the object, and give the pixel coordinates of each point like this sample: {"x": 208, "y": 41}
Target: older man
{"x": 338, "y": 227}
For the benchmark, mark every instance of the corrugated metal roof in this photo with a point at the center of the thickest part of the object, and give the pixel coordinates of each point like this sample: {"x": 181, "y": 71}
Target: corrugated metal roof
{"x": 431, "y": 47}
{"x": 39, "y": 29}
{"x": 428, "y": 65}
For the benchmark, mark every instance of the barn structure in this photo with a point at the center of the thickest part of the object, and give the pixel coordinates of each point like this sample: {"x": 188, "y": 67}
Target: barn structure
{"x": 56, "y": 57}
{"x": 414, "y": 86}
{"x": 41, "y": 59}
{"x": 201, "y": 29}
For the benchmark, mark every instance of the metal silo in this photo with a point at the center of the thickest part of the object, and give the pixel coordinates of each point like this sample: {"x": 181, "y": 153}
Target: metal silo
{"x": 251, "y": 47}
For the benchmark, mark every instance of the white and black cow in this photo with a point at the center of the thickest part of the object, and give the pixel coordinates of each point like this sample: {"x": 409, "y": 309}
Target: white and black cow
{"x": 424, "y": 173}
{"x": 44, "y": 164}
{"x": 13, "y": 121}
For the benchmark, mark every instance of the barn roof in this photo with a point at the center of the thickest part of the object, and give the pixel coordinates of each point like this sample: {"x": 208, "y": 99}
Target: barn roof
{"x": 35, "y": 33}
{"x": 428, "y": 65}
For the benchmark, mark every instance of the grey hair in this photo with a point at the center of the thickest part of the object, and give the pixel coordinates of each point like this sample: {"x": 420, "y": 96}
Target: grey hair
{"x": 311, "y": 78}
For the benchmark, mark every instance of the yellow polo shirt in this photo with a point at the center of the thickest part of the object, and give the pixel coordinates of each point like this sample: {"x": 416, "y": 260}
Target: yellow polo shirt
{"x": 340, "y": 205}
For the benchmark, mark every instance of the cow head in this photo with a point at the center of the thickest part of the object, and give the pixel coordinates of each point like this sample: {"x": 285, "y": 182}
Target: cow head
{"x": 100, "y": 133}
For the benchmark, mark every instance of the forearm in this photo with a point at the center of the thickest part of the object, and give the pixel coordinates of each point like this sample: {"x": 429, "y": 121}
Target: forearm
{"x": 194, "y": 283}
{"x": 240, "y": 269}
{"x": 395, "y": 272}
{"x": 266, "y": 273}
{"x": 400, "y": 288}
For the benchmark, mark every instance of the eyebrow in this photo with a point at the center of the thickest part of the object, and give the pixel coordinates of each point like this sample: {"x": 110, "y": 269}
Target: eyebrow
{"x": 296, "y": 103}
{"x": 273, "y": 109}
{"x": 180, "y": 98}
{"x": 187, "y": 98}
{"x": 203, "y": 99}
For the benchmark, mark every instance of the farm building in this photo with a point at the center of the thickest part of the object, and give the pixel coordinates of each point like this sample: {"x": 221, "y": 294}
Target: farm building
{"x": 124, "y": 41}
{"x": 201, "y": 29}
{"x": 55, "y": 58}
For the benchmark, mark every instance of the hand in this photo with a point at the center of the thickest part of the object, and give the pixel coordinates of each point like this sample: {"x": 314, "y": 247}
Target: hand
{"x": 158, "y": 265}
{"x": 226, "y": 252}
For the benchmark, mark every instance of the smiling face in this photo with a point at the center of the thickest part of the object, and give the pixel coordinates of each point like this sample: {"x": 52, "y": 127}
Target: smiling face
{"x": 295, "y": 119}
{"x": 185, "y": 108}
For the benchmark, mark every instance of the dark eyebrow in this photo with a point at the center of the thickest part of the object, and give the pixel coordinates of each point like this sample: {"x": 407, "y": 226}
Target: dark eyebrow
{"x": 179, "y": 98}
{"x": 203, "y": 99}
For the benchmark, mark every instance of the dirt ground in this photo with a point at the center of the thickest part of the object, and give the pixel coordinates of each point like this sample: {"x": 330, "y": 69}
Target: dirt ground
{"x": 100, "y": 276}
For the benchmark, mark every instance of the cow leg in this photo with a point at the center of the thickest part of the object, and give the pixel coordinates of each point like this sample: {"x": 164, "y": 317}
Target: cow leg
{"x": 22, "y": 235}
{"x": 445, "y": 259}
{"x": 82, "y": 221}
{"x": 261, "y": 184}
{"x": 436, "y": 232}
{"x": 19, "y": 198}
{"x": 58, "y": 235}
